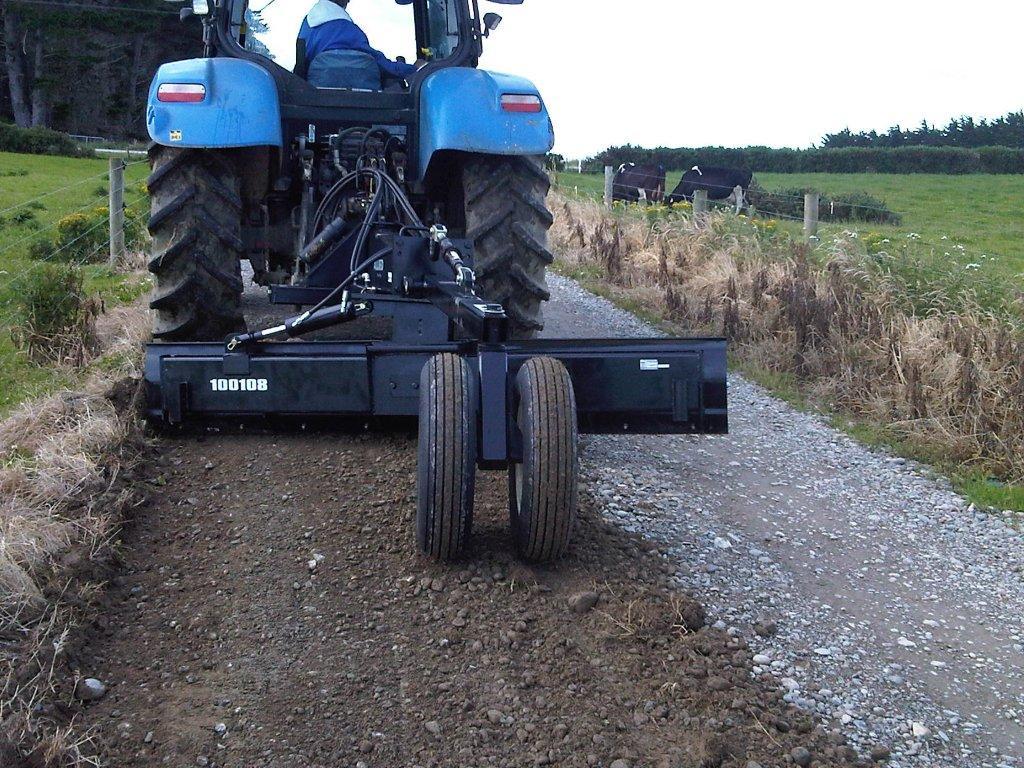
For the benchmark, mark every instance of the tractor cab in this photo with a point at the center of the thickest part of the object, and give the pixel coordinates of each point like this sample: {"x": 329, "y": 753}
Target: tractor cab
{"x": 423, "y": 33}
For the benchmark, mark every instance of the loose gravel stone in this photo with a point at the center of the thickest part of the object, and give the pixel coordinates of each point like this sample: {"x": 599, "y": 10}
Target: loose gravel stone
{"x": 90, "y": 689}
{"x": 583, "y": 601}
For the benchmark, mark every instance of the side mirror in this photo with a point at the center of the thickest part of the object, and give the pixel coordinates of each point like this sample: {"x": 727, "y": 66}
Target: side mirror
{"x": 491, "y": 22}
{"x": 198, "y": 8}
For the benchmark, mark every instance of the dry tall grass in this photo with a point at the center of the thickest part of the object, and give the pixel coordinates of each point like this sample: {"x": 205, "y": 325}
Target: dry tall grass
{"x": 62, "y": 496}
{"x": 951, "y": 380}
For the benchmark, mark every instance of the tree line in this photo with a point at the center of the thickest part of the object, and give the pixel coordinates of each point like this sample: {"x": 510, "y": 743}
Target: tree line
{"x": 948, "y": 160}
{"x": 1006, "y": 131}
{"x": 84, "y": 66}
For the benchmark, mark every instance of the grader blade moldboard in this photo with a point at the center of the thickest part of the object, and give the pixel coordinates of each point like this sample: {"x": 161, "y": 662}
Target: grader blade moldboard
{"x": 645, "y": 386}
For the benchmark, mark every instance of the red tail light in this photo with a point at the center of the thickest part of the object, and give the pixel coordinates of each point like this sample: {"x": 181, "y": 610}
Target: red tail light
{"x": 518, "y": 102}
{"x": 188, "y": 93}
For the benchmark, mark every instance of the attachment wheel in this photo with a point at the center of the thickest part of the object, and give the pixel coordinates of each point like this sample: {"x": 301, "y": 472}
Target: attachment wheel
{"x": 446, "y": 475}
{"x": 543, "y": 489}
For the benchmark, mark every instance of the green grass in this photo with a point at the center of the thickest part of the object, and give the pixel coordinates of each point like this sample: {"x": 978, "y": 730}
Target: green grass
{"x": 980, "y": 212}
{"x": 24, "y": 178}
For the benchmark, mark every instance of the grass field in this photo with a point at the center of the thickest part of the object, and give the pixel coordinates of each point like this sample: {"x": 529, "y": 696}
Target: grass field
{"x": 35, "y": 193}
{"x": 979, "y": 212}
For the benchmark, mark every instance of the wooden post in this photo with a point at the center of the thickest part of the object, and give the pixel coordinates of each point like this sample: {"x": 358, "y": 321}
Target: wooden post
{"x": 609, "y": 185}
{"x": 116, "y": 210}
{"x": 700, "y": 202}
{"x": 811, "y": 201}
{"x": 738, "y": 192}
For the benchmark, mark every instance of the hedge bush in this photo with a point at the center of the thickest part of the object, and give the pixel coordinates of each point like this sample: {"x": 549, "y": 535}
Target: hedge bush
{"x": 38, "y": 141}
{"x": 947, "y": 160}
{"x": 82, "y": 238}
{"x": 56, "y": 318}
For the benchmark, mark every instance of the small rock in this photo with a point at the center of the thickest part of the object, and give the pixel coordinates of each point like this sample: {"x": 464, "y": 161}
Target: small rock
{"x": 801, "y": 756}
{"x": 880, "y": 753}
{"x": 620, "y": 763}
{"x": 91, "y": 689}
{"x": 920, "y": 730}
{"x": 148, "y": 738}
{"x": 494, "y": 715}
{"x": 722, "y": 543}
{"x": 433, "y": 727}
{"x": 220, "y": 729}
{"x": 719, "y": 684}
{"x": 583, "y": 601}
{"x": 766, "y": 628}
{"x": 762, "y": 659}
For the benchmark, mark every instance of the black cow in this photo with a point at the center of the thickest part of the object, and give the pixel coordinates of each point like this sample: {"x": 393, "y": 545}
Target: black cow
{"x": 719, "y": 183}
{"x": 633, "y": 183}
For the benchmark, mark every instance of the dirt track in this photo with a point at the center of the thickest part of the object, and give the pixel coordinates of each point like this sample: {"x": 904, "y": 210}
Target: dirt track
{"x": 876, "y": 577}
{"x": 270, "y": 613}
{"x": 373, "y": 656}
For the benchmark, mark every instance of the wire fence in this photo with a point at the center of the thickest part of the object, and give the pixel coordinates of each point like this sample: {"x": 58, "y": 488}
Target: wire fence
{"x": 79, "y": 247}
{"x": 73, "y": 185}
{"x": 631, "y": 191}
{"x": 973, "y": 258}
{"x": 831, "y": 202}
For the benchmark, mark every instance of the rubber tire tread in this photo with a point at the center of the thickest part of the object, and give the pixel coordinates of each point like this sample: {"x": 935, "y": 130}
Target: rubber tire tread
{"x": 543, "y": 515}
{"x": 195, "y": 221}
{"x": 446, "y": 472}
{"x": 507, "y": 220}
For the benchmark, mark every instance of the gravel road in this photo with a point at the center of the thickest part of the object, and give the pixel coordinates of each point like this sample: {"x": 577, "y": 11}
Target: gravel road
{"x": 897, "y": 609}
{"x": 262, "y": 620}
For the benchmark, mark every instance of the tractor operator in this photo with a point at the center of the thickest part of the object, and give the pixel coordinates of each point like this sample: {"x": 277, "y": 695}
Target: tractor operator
{"x": 339, "y": 52}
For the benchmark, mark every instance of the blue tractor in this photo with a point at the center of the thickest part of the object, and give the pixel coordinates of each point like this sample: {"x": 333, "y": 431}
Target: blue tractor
{"x": 420, "y": 200}
{"x": 253, "y": 163}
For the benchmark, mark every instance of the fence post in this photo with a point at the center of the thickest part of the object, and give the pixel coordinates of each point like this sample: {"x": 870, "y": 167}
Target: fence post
{"x": 609, "y": 182}
{"x": 116, "y": 210}
{"x": 738, "y": 192}
{"x": 700, "y": 202}
{"x": 811, "y": 201}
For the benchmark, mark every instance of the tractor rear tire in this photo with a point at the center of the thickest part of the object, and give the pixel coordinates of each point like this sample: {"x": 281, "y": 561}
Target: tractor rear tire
{"x": 507, "y": 220}
{"x": 195, "y": 221}
{"x": 543, "y": 489}
{"x": 446, "y": 474}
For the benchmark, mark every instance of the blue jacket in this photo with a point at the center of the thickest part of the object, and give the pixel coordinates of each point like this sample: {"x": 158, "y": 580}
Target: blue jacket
{"x": 340, "y": 33}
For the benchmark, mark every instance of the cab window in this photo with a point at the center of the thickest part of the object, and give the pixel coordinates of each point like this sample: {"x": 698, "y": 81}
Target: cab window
{"x": 442, "y": 29}
{"x": 271, "y": 27}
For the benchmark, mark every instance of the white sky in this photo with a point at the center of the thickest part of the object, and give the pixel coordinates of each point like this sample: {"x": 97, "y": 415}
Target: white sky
{"x": 782, "y": 73}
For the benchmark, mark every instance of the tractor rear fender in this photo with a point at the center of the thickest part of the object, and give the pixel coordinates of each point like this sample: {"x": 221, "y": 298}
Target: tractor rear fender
{"x": 461, "y": 109}
{"x": 239, "y": 108}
